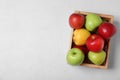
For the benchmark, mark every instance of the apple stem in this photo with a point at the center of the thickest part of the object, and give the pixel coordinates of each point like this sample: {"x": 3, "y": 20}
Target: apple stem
{"x": 74, "y": 53}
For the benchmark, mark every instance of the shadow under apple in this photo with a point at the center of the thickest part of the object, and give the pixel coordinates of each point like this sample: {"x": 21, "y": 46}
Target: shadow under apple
{"x": 113, "y": 46}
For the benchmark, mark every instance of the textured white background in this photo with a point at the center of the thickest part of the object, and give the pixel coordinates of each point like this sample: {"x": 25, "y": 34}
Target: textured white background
{"x": 35, "y": 35}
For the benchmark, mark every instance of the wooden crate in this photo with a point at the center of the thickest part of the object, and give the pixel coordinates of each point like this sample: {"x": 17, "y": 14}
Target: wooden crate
{"x": 105, "y": 17}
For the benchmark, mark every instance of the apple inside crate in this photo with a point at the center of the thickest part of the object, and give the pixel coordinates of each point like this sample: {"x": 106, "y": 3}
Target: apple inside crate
{"x": 87, "y": 62}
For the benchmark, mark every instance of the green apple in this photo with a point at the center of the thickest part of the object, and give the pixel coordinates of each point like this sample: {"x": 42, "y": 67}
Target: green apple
{"x": 97, "y": 57}
{"x": 75, "y": 56}
{"x": 92, "y": 21}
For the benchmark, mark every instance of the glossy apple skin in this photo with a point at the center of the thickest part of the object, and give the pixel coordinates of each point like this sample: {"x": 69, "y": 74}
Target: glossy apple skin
{"x": 75, "y": 56}
{"x": 80, "y": 36}
{"x": 76, "y": 21}
{"x": 106, "y": 30}
{"x": 92, "y": 21}
{"x": 83, "y": 48}
{"x": 97, "y": 57}
{"x": 95, "y": 43}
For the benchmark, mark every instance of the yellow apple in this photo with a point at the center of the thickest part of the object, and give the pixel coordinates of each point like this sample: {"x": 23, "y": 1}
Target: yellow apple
{"x": 80, "y": 36}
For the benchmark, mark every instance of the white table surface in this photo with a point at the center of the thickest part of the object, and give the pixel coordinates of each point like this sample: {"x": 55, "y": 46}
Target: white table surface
{"x": 35, "y": 35}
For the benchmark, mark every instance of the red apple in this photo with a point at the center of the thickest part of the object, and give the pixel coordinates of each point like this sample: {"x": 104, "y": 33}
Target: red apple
{"x": 106, "y": 30}
{"x": 95, "y": 43}
{"x": 83, "y": 48}
{"x": 76, "y": 21}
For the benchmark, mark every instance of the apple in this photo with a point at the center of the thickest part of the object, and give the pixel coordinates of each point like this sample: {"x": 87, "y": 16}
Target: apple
{"x": 106, "y": 30}
{"x": 76, "y": 20}
{"x": 75, "y": 56}
{"x": 97, "y": 57}
{"x": 83, "y": 48}
{"x": 80, "y": 36}
{"x": 92, "y": 21}
{"x": 95, "y": 43}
